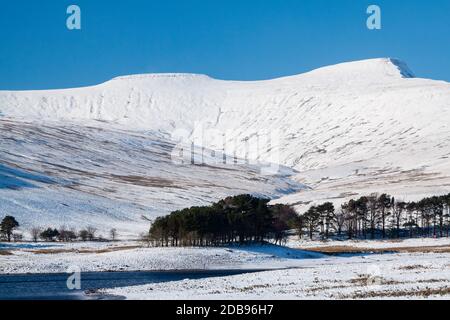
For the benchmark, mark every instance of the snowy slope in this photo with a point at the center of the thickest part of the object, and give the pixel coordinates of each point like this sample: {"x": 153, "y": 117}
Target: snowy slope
{"x": 77, "y": 176}
{"x": 347, "y": 129}
{"x": 324, "y": 115}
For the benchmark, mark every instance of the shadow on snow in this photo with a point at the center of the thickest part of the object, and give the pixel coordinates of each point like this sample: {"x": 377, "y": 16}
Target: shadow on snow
{"x": 15, "y": 179}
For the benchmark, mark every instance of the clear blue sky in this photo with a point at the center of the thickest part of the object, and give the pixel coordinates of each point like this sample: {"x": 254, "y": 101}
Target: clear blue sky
{"x": 226, "y": 39}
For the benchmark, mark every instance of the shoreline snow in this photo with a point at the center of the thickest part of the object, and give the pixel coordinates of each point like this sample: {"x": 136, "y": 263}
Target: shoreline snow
{"x": 288, "y": 273}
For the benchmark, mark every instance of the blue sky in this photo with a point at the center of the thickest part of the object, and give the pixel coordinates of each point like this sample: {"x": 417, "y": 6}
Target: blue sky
{"x": 226, "y": 39}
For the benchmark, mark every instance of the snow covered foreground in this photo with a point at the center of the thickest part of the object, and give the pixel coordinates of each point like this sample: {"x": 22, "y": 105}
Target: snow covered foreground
{"x": 357, "y": 276}
{"x": 292, "y": 273}
{"x": 131, "y": 256}
{"x": 398, "y": 276}
{"x": 101, "y": 155}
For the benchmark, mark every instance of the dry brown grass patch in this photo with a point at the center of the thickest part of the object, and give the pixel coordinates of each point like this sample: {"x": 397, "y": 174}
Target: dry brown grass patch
{"x": 84, "y": 251}
{"x": 368, "y": 280}
{"x": 426, "y": 293}
{"x": 413, "y": 267}
{"x": 346, "y": 249}
{"x": 318, "y": 289}
{"x": 334, "y": 250}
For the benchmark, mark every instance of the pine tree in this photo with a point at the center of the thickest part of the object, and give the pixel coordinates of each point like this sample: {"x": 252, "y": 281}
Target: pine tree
{"x": 8, "y": 225}
{"x": 384, "y": 203}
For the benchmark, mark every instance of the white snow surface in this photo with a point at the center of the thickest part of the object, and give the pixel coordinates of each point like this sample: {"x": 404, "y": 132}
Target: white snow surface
{"x": 290, "y": 272}
{"x": 132, "y": 256}
{"x": 396, "y": 276}
{"x": 100, "y": 154}
{"x": 353, "y": 276}
{"x": 78, "y": 176}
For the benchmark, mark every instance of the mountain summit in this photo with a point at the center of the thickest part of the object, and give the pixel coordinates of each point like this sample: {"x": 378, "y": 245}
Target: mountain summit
{"x": 366, "y": 70}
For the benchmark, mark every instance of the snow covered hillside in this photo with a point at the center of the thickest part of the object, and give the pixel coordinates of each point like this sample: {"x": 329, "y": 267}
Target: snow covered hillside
{"x": 78, "y": 176}
{"x": 103, "y": 151}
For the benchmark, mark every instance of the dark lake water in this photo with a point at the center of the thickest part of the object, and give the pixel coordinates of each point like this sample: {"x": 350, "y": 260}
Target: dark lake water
{"x": 54, "y": 286}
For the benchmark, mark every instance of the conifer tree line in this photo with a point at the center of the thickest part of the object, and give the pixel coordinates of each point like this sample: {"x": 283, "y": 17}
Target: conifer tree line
{"x": 379, "y": 216}
{"x": 242, "y": 219}
{"x": 245, "y": 218}
{"x": 238, "y": 219}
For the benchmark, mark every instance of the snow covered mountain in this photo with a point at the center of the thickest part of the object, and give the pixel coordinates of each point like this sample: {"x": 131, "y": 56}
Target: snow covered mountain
{"x": 347, "y": 129}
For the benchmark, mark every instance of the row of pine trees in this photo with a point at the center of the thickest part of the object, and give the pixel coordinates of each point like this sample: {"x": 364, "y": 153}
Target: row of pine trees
{"x": 245, "y": 218}
{"x": 379, "y": 216}
{"x": 238, "y": 219}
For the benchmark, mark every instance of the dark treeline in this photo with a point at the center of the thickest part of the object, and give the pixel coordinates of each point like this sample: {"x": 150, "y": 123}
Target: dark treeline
{"x": 379, "y": 216}
{"x": 9, "y": 226}
{"x": 237, "y": 219}
{"x": 244, "y": 218}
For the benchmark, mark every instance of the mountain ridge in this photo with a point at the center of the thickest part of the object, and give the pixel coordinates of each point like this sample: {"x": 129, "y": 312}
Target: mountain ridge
{"x": 354, "y": 128}
{"x": 297, "y": 104}
{"x": 392, "y": 67}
